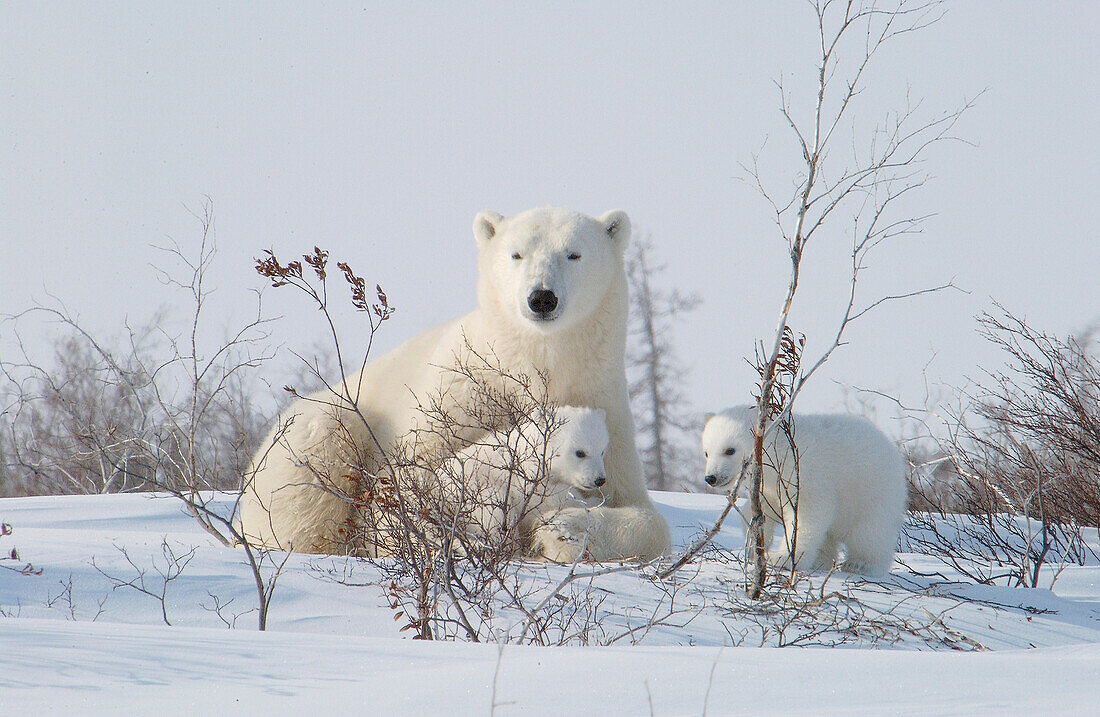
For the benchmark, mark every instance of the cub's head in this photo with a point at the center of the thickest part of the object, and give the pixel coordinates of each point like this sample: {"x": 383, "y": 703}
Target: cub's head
{"x": 728, "y": 445}
{"x": 578, "y": 448}
{"x": 549, "y": 268}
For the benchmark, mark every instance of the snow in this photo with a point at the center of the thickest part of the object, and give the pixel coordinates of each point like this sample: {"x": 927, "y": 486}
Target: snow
{"x": 89, "y": 649}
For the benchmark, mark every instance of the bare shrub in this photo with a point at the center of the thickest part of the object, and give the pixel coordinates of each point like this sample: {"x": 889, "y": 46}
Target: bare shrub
{"x": 447, "y": 541}
{"x": 829, "y": 610}
{"x": 165, "y": 411}
{"x": 1017, "y": 478}
{"x": 175, "y": 561}
{"x": 1042, "y": 448}
{"x": 450, "y": 546}
{"x": 11, "y": 555}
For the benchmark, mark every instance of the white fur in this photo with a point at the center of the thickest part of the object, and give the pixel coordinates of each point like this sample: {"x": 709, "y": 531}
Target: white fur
{"x": 579, "y": 345}
{"x": 850, "y": 487}
{"x": 528, "y": 476}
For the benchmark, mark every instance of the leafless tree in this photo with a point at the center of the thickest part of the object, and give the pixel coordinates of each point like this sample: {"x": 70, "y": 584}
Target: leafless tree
{"x": 865, "y": 186}
{"x": 665, "y": 428}
{"x": 868, "y": 186}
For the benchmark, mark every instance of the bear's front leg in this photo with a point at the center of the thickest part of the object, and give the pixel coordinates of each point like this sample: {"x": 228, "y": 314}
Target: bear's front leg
{"x": 811, "y": 543}
{"x": 628, "y": 526}
{"x": 604, "y": 534}
{"x": 564, "y": 536}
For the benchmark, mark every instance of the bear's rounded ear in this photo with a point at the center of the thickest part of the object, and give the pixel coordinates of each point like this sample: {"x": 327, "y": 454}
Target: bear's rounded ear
{"x": 485, "y": 226}
{"x": 617, "y": 225}
{"x": 707, "y": 417}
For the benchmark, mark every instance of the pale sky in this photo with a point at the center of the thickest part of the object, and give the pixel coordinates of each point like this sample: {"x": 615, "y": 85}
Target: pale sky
{"x": 378, "y": 131}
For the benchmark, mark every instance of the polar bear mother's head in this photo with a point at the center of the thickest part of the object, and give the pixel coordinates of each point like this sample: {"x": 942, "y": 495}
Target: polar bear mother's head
{"x": 549, "y": 268}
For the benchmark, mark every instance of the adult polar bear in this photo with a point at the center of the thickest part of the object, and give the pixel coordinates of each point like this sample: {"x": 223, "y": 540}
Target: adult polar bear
{"x": 552, "y": 298}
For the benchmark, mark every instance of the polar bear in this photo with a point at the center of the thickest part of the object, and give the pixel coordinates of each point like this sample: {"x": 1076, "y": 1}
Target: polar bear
{"x": 850, "y": 486}
{"x": 552, "y": 302}
{"x": 521, "y": 480}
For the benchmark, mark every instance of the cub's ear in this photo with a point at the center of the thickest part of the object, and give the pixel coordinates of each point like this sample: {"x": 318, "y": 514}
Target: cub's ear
{"x": 485, "y": 226}
{"x": 707, "y": 417}
{"x": 617, "y": 225}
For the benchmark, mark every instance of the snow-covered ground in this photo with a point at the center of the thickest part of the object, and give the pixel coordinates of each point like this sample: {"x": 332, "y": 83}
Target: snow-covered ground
{"x": 71, "y": 641}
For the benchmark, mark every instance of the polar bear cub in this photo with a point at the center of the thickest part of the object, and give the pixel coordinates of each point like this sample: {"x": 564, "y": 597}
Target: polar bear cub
{"x": 849, "y": 487}
{"x": 524, "y": 478}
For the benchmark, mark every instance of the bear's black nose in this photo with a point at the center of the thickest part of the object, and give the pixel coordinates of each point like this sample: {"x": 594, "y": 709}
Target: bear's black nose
{"x": 711, "y": 479}
{"x": 542, "y": 301}
{"x": 600, "y": 480}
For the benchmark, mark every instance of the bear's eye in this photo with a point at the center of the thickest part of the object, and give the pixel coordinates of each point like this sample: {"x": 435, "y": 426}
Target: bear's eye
{"x": 581, "y": 454}
{"x": 730, "y": 451}
{"x": 517, "y": 256}
{"x": 574, "y": 256}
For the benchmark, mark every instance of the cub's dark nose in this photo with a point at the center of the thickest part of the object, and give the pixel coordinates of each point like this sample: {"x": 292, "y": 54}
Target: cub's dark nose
{"x": 600, "y": 480}
{"x": 711, "y": 479}
{"x": 542, "y": 301}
